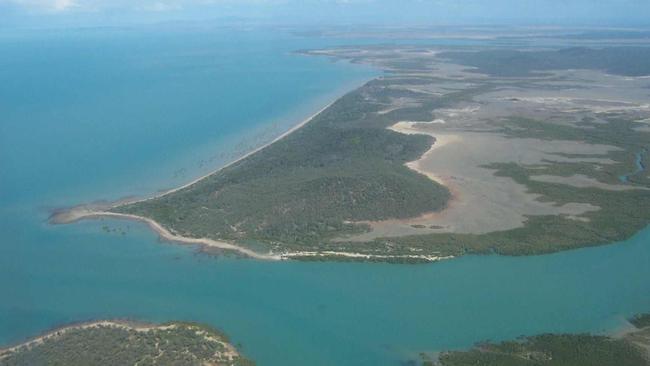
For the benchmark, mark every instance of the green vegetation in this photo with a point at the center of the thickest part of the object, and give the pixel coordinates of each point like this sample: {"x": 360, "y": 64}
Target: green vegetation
{"x": 628, "y": 61}
{"x": 556, "y": 350}
{"x": 315, "y": 187}
{"x": 621, "y": 213}
{"x": 121, "y": 344}
{"x": 551, "y": 350}
{"x": 343, "y": 166}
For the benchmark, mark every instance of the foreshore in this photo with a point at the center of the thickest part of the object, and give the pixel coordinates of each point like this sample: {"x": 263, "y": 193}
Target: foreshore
{"x": 194, "y": 181}
{"x": 98, "y": 211}
{"x": 102, "y": 210}
{"x": 407, "y": 128}
{"x": 80, "y": 213}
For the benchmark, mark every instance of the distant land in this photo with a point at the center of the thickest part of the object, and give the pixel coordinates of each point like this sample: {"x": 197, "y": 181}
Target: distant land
{"x": 125, "y": 343}
{"x": 464, "y": 150}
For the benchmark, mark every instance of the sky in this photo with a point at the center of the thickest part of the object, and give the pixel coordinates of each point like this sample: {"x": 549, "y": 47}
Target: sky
{"x": 35, "y": 13}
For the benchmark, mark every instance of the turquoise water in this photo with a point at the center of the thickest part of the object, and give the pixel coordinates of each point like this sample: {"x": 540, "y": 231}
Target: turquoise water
{"x": 107, "y": 114}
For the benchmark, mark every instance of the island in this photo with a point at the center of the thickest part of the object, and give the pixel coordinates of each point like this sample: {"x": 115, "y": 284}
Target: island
{"x": 631, "y": 348}
{"x": 452, "y": 151}
{"x": 127, "y": 343}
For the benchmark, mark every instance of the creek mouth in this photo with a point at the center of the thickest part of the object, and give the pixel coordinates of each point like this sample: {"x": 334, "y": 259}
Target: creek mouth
{"x": 640, "y": 166}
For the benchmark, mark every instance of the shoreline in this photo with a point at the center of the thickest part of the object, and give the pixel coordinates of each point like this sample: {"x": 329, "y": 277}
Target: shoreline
{"x": 80, "y": 213}
{"x": 200, "y": 178}
{"x": 100, "y": 210}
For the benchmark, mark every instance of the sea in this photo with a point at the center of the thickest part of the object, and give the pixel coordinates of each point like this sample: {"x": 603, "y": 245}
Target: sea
{"x": 107, "y": 113}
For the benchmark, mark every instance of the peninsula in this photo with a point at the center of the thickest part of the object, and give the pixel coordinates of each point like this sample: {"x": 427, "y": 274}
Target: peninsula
{"x": 452, "y": 151}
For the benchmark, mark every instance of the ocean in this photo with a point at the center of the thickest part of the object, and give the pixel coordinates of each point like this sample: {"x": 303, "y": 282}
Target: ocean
{"x": 110, "y": 113}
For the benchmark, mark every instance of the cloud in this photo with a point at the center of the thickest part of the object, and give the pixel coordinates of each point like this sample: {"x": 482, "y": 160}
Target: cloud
{"x": 43, "y": 5}
{"x": 96, "y": 6}
{"x": 63, "y": 4}
{"x": 157, "y": 5}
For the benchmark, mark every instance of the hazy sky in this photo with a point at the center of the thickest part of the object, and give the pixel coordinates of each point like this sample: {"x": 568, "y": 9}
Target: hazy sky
{"x": 99, "y": 12}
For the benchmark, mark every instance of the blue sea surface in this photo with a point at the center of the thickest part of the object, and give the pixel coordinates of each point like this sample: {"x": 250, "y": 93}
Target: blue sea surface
{"x": 103, "y": 114}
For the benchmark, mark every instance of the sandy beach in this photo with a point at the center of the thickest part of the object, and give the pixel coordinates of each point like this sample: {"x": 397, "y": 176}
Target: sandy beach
{"x": 80, "y": 213}
{"x": 100, "y": 210}
{"x": 97, "y": 211}
{"x": 283, "y": 135}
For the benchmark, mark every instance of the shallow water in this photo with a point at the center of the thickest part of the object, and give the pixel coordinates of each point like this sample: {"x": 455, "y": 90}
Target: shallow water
{"x": 146, "y": 111}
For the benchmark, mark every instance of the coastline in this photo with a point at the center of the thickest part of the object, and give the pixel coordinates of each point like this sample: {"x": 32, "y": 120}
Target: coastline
{"x": 200, "y": 178}
{"x": 101, "y": 210}
{"x": 97, "y": 211}
{"x": 83, "y": 213}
